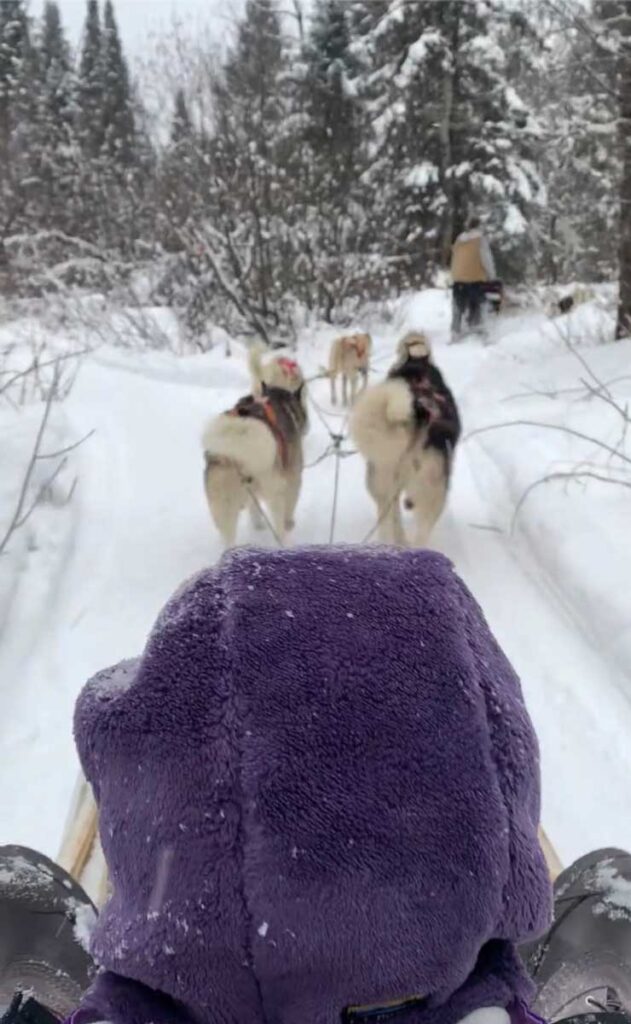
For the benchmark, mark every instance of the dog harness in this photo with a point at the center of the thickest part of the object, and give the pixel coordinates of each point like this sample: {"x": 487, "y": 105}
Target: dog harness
{"x": 358, "y": 342}
{"x": 429, "y": 404}
{"x": 262, "y": 409}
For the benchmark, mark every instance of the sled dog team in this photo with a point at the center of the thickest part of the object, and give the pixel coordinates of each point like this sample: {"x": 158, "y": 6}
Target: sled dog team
{"x": 405, "y": 427}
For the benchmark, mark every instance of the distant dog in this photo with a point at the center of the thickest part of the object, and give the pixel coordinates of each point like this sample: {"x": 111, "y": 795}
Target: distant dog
{"x": 407, "y": 428}
{"x": 577, "y": 297}
{"x": 350, "y": 357}
{"x": 253, "y": 454}
{"x": 277, "y": 372}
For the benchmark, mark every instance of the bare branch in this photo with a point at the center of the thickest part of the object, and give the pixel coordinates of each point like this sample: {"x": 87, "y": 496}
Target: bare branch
{"x": 549, "y": 426}
{"x": 572, "y": 474}
{"x": 68, "y": 448}
{"x": 17, "y": 518}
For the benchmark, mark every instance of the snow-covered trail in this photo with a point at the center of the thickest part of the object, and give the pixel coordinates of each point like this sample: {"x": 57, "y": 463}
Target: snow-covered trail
{"x": 142, "y": 527}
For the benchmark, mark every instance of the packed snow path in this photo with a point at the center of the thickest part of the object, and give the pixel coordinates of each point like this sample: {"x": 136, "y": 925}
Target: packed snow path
{"x": 141, "y": 526}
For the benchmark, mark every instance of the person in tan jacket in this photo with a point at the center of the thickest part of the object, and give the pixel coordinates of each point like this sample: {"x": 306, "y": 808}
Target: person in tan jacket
{"x": 472, "y": 267}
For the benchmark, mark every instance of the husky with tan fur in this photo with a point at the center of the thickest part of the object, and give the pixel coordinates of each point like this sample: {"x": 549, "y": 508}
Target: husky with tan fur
{"x": 406, "y": 428}
{"x": 253, "y": 458}
{"x": 350, "y": 359}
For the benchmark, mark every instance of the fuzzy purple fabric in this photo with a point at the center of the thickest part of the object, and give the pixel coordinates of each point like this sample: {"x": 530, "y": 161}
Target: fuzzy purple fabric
{"x": 318, "y": 787}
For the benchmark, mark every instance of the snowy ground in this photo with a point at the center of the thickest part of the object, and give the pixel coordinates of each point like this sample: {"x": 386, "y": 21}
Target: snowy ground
{"x": 555, "y": 588}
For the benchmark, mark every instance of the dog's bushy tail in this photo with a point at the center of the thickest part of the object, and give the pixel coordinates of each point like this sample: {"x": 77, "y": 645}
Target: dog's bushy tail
{"x": 381, "y": 420}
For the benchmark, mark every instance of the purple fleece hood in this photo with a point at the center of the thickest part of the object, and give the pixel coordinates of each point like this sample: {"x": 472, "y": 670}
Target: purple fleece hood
{"x": 318, "y": 787}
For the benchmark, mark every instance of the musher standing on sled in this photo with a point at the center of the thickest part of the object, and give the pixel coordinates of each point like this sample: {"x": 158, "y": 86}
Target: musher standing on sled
{"x": 472, "y": 267}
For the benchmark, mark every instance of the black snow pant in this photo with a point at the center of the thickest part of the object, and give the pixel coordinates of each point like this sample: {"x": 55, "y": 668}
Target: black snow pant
{"x": 467, "y": 302}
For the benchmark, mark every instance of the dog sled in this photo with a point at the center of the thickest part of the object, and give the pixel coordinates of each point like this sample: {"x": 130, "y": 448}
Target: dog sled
{"x": 494, "y": 295}
{"x": 81, "y": 854}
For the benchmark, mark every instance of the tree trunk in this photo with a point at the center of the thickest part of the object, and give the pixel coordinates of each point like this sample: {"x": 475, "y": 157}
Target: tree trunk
{"x": 620, "y": 19}
{"x": 446, "y": 127}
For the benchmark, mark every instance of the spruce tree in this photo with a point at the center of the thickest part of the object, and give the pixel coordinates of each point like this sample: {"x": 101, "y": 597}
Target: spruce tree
{"x": 333, "y": 128}
{"x": 19, "y": 122}
{"x": 333, "y": 196}
{"x": 57, "y": 113}
{"x": 91, "y": 84}
{"x": 14, "y": 44}
{"x": 181, "y": 123}
{"x": 451, "y": 133}
{"x": 248, "y": 188}
{"x": 117, "y": 112}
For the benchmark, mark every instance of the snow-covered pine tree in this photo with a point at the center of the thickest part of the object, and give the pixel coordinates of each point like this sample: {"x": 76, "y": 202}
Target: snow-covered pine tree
{"x": 57, "y": 149}
{"x": 332, "y": 198}
{"x": 250, "y": 191}
{"x": 571, "y": 91}
{"x": 181, "y": 127}
{"x": 91, "y": 84}
{"x": 117, "y": 110}
{"x": 13, "y": 46}
{"x": 452, "y": 136}
{"x": 182, "y": 178}
{"x": 19, "y": 138}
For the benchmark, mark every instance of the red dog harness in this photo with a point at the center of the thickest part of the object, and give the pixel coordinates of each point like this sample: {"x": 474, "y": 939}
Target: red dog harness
{"x": 263, "y": 410}
{"x": 359, "y": 343}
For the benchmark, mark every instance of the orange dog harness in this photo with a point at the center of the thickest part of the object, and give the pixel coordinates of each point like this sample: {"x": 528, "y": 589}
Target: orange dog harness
{"x": 263, "y": 410}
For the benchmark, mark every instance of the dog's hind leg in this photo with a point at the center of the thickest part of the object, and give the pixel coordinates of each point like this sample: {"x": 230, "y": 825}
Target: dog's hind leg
{"x": 292, "y": 494}
{"x": 224, "y": 495}
{"x": 224, "y": 510}
{"x": 427, "y": 493}
{"x": 256, "y": 516}
{"x": 274, "y": 494}
{"x": 344, "y": 388}
{"x": 384, "y": 486}
{"x": 353, "y": 386}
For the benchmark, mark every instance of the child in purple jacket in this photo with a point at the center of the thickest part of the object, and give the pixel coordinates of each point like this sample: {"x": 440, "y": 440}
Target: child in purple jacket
{"x": 319, "y": 800}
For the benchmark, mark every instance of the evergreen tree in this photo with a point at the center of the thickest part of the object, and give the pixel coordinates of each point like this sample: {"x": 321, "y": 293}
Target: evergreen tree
{"x": 451, "y": 133}
{"x": 91, "y": 84}
{"x": 248, "y": 179}
{"x": 14, "y": 46}
{"x": 333, "y": 125}
{"x": 182, "y": 179}
{"x": 58, "y": 83}
{"x": 19, "y": 138}
{"x": 117, "y": 110}
{"x": 333, "y": 197}
{"x": 181, "y": 128}
{"x": 572, "y": 93}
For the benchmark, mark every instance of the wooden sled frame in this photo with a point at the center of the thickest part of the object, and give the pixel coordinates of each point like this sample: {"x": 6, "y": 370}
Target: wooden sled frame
{"x": 82, "y": 856}
{"x": 81, "y": 853}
